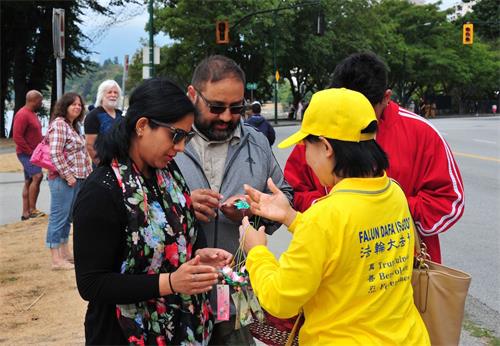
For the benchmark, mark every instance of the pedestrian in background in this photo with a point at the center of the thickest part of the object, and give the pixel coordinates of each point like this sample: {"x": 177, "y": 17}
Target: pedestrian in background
{"x": 141, "y": 259}
{"x": 261, "y": 123}
{"x": 434, "y": 189}
{"x": 224, "y": 154}
{"x": 71, "y": 160}
{"x": 103, "y": 115}
{"x": 433, "y": 110}
{"x": 300, "y": 110}
{"x": 27, "y": 133}
{"x": 291, "y": 112}
{"x": 335, "y": 266}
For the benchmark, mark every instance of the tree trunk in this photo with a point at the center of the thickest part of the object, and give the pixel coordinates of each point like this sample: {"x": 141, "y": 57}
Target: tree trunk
{"x": 23, "y": 28}
{"x": 4, "y": 72}
{"x": 43, "y": 52}
{"x": 20, "y": 86}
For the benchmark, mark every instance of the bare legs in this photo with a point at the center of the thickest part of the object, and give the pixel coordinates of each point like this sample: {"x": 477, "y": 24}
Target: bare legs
{"x": 34, "y": 190}
{"x": 31, "y": 189}
{"x": 26, "y": 207}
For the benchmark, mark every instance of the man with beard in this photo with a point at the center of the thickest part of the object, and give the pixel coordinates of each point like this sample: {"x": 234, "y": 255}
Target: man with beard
{"x": 225, "y": 154}
{"x": 103, "y": 115}
{"x": 27, "y": 133}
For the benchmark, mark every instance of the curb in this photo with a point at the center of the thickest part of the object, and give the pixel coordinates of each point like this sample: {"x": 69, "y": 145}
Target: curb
{"x": 287, "y": 122}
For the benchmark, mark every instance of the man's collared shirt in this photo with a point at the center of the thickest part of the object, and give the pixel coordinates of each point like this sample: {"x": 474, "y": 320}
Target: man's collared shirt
{"x": 213, "y": 155}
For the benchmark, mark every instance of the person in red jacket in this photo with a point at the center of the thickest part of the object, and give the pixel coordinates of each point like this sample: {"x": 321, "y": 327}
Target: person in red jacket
{"x": 420, "y": 160}
{"x": 27, "y": 133}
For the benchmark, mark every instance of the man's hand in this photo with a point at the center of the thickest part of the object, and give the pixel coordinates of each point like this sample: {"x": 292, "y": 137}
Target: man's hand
{"x": 233, "y": 213}
{"x": 205, "y": 201}
{"x": 216, "y": 258}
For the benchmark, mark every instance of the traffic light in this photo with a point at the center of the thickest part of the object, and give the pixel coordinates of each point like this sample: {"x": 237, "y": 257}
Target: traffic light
{"x": 468, "y": 33}
{"x": 222, "y": 32}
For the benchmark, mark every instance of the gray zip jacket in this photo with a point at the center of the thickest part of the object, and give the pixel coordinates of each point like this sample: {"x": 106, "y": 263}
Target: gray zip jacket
{"x": 250, "y": 162}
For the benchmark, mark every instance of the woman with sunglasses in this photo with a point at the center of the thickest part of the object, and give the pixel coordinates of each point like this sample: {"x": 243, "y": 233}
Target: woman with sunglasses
{"x": 140, "y": 260}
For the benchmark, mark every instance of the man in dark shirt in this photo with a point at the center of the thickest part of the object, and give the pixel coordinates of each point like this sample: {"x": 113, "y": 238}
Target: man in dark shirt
{"x": 104, "y": 115}
{"x": 260, "y": 123}
{"x": 27, "y": 133}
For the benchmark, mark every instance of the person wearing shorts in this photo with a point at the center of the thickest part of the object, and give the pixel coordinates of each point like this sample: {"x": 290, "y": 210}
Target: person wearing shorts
{"x": 27, "y": 133}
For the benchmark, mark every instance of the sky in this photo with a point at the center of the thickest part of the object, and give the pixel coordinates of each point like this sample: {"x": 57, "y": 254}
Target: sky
{"x": 125, "y": 37}
{"x": 120, "y": 38}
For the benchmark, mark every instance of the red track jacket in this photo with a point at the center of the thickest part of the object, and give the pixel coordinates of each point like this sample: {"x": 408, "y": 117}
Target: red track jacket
{"x": 420, "y": 160}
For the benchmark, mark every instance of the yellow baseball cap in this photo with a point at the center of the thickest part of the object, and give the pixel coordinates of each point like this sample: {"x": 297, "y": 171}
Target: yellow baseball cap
{"x": 336, "y": 114}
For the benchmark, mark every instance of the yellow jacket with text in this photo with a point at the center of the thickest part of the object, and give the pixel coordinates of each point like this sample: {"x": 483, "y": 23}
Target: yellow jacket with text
{"x": 348, "y": 267}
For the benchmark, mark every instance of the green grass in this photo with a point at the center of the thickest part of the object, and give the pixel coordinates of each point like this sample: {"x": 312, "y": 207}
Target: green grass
{"x": 8, "y": 279}
{"x": 480, "y": 332}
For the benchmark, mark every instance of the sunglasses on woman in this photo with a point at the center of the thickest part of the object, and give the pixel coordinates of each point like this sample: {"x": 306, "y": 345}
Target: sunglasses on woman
{"x": 219, "y": 109}
{"x": 178, "y": 135}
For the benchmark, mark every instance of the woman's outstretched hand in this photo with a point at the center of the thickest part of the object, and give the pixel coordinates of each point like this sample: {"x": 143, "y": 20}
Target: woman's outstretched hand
{"x": 190, "y": 278}
{"x": 251, "y": 236}
{"x": 273, "y": 207}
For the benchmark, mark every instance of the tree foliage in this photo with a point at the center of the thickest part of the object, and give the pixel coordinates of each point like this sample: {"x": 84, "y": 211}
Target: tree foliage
{"x": 421, "y": 47}
{"x": 87, "y": 83}
{"x": 485, "y": 16}
{"x": 27, "y": 60}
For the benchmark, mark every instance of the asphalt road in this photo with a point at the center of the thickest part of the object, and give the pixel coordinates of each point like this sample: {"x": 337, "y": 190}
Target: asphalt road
{"x": 473, "y": 244}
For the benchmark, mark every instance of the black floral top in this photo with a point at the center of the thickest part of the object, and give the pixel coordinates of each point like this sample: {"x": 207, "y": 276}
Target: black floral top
{"x": 158, "y": 235}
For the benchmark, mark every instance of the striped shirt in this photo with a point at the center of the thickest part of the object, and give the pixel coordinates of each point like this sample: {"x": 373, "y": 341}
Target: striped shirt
{"x": 67, "y": 150}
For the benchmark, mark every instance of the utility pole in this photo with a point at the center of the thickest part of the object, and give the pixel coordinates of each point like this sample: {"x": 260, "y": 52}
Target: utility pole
{"x": 59, "y": 46}
{"x": 151, "y": 40}
{"x": 319, "y": 31}
{"x": 275, "y": 69}
{"x": 124, "y": 79}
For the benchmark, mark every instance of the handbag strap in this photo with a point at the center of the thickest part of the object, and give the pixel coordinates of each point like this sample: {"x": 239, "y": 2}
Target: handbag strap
{"x": 291, "y": 336}
{"x": 421, "y": 251}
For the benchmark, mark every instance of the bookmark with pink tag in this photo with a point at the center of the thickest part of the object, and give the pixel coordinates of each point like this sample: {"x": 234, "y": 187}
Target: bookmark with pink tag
{"x": 223, "y": 302}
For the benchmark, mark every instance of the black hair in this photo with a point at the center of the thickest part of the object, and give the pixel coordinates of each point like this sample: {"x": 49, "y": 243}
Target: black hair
{"x": 357, "y": 160}
{"x": 216, "y": 68}
{"x": 156, "y": 98}
{"x": 256, "y": 108}
{"x": 61, "y": 109}
{"x": 362, "y": 72}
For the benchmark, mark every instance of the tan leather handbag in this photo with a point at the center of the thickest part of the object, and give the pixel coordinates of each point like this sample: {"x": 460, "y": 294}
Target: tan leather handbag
{"x": 439, "y": 293}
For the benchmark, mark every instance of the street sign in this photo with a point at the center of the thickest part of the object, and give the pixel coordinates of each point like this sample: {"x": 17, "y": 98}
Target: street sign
{"x": 145, "y": 72}
{"x": 277, "y": 76}
{"x": 156, "y": 55}
{"x": 58, "y": 32}
{"x": 251, "y": 86}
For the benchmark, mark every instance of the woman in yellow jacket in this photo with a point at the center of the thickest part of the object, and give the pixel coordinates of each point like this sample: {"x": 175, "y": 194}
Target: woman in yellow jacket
{"x": 350, "y": 260}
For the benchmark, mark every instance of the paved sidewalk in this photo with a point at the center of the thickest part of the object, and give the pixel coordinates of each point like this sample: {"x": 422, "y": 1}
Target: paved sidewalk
{"x": 11, "y": 185}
